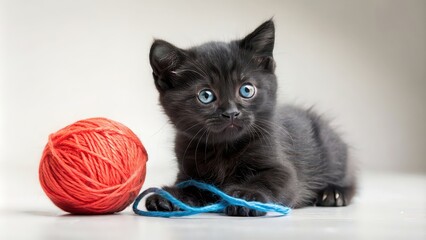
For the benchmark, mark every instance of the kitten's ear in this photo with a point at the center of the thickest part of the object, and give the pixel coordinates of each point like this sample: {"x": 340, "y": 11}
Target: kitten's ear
{"x": 164, "y": 59}
{"x": 261, "y": 40}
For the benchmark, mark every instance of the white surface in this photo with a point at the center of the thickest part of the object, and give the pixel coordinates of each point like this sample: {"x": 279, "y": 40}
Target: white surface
{"x": 361, "y": 62}
{"x": 389, "y": 206}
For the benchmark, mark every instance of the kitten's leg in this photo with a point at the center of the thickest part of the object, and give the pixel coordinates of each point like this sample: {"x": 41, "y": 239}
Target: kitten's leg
{"x": 335, "y": 196}
{"x": 340, "y": 193}
{"x": 191, "y": 196}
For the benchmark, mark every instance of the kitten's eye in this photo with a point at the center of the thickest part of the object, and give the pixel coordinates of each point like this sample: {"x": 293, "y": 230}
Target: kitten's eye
{"x": 206, "y": 96}
{"x": 247, "y": 90}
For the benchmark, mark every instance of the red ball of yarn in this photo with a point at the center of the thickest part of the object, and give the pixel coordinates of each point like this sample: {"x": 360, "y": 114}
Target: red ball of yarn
{"x": 94, "y": 166}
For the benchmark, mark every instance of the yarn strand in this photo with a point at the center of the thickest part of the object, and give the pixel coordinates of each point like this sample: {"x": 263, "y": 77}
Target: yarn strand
{"x": 186, "y": 210}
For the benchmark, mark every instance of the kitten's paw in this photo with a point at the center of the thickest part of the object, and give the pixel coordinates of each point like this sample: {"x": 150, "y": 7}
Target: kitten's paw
{"x": 158, "y": 203}
{"x": 331, "y": 197}
{"x": 248, "y": 196}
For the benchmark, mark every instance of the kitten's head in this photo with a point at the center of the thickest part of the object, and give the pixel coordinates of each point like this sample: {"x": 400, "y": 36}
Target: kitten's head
{"x": 221, "y": 90}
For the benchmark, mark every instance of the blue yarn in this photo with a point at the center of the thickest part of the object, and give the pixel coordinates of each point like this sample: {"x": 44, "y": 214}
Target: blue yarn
{"x": 219, "y": 207}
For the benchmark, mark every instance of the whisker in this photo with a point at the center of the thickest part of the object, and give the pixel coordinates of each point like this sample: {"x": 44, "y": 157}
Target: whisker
{"x": 205, "y": 146}
{"x": 189, "y": 144}
{"x": 196, "y": 152}
{"x": 192, "y": 126}
{"x": 280, "y": 128}
{"x": 265, "y": 135}
{"x": 255, "y": 132}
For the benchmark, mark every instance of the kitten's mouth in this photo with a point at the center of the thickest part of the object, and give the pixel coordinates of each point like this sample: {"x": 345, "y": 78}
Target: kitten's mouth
{"x": 232, "y": 127}
{"x": 229, "y": 129}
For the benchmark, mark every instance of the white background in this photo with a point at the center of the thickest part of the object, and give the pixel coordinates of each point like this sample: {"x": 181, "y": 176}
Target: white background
{"x": 360, "y": 62}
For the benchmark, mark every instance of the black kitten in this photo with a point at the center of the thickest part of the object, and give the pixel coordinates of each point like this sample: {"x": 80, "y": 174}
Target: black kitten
{"x": 221, "y": 98}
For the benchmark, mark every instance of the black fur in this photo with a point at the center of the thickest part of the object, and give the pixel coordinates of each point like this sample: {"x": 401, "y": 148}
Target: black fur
{"x": 246, "y": 146}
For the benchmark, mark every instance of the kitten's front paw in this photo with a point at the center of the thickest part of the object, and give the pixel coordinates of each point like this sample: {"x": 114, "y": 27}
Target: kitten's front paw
{"x": 247, "y": 195}
{"x": 158, "y": 203}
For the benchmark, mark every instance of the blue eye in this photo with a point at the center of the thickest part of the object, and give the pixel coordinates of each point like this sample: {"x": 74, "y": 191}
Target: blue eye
{"x": 247, "y": 90}
{"x": 206, "y": 96}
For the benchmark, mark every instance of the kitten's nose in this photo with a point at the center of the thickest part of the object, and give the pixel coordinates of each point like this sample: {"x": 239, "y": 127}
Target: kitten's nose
{"x": 230, "y": 114}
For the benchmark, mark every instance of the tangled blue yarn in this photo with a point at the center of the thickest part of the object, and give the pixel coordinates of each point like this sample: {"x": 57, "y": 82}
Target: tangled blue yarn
{"x": 186, "y": 210}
